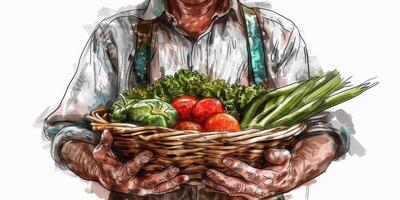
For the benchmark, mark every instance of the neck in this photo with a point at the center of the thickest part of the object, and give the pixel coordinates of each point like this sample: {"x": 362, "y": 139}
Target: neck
{"x": 192, "y": 8}
{"x": 194, "y": 16}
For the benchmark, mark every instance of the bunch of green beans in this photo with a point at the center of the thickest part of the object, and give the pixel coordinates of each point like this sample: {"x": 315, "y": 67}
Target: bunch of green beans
{"x": 297, "y": 102}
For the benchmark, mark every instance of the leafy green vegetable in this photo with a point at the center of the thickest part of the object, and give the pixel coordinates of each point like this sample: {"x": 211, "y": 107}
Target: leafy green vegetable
{"x": 234, "y": 97}
{"x": 149, "y": 112}
{"x": 119, "y": 111}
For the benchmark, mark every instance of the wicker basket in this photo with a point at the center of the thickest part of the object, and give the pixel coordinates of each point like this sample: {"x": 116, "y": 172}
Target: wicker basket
{"x": 192, "y": 151}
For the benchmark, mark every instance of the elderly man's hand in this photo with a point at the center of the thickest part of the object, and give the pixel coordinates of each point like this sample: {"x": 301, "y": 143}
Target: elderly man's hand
{"x": 103, "y": 166}
{"x": 309, "y": 157}
{"x": 119, "y": 177}
{"x": 256, "y": 183}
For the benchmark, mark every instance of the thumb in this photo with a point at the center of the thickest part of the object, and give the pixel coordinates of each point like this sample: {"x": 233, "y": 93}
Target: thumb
{"x": 104, "y": 145}
{"x": 277, "y": 156}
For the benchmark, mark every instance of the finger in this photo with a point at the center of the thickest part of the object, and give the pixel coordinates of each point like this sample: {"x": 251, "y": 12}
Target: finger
{"x": 105, "y": 141}
{"x": 234, "y": 184}
{"x": 156, "y": 179}
{"x": 132, "y": 167}
{"x": 169, "y": 185}
{"x": 248, "y": 172}
{"x": 102, "y": 151}
{"x": 277, "y": 156}
{"x": 213, "y": 187}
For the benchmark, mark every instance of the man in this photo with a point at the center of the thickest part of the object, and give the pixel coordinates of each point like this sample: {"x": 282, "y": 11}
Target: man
{"x": 215, "y": 37}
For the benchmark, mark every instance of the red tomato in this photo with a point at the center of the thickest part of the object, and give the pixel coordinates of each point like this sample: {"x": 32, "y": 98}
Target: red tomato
{"x": 221, "y": 122}
{"x": 205, "y": 108}
{"x": 184, "y": 105}
{"x": 188, "y": 125}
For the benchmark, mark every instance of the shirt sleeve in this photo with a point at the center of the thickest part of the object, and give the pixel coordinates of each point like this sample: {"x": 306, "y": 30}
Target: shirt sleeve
{"x": 286, "y": 52}
{"x": 288, "y": 62}
{"x": 94, "y": 84}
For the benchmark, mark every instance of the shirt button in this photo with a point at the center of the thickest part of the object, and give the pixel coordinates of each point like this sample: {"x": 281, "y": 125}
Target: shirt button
{"x": 199, "y": 42}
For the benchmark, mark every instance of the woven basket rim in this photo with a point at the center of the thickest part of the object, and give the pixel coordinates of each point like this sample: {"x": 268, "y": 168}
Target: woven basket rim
{"x": 98, "y": 118}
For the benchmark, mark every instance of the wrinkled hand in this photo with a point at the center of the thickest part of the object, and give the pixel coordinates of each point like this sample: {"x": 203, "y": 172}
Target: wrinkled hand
{"x": 254, "y": 183}
{"x": 119, "y": 177}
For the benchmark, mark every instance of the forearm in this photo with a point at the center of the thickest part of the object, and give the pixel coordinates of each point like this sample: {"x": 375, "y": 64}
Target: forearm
{"x": 310, "y": 157}
{"x": 79, "y": 158}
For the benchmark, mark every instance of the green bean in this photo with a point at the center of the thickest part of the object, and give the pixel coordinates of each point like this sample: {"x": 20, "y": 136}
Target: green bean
{"x": 289, "y": 102}
{"x": 292, "y": 117}
{"x": 273, "y": 102}
{"x": 324, "y": 88}
{"x": 285, "y": 90}
{"x": 338, "y": 98}
{"x": 324, "y": 79}
{"x": 269, "y": 106}
{"x": 333, "y": 84}
{"x": 263, "y": 97}
{"x": 252, "y": 110}
{"x": 344, "y": 96}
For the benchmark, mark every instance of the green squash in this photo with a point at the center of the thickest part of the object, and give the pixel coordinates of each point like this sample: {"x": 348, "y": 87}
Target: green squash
{"x": 153, "y": 112}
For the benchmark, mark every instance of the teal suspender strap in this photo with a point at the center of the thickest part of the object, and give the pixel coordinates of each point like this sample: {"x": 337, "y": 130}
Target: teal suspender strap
{"x": 143, "y": 53}
{"x": 255, "y": 47}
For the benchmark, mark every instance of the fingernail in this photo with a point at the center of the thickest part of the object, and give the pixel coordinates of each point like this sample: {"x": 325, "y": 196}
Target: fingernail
{"x": 174, "y": 169}
{"x": 104, "y": 138}
{"x": 105, "y": 142}
{"x": 227, "y": 161}
{"x": 148, "y": 154}
{"x": 185, "y": 178}
{"x": 106, "y": 133}
{"x": 210, "y": 173}
{"x": 146, "y": 159}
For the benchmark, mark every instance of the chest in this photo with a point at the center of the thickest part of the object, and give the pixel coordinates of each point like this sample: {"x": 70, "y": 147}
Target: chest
{"x": 220, "y": 52}
{"x": 227, "y": 50}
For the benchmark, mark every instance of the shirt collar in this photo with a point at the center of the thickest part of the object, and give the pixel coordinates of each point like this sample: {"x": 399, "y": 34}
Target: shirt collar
{"x": 155, "y": 8}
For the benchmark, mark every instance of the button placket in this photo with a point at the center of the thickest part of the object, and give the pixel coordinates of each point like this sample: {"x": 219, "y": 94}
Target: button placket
{"x": 199, "y": 55}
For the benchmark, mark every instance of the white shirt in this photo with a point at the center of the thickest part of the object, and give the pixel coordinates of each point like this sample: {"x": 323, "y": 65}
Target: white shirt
{"x": 106, "y": 63}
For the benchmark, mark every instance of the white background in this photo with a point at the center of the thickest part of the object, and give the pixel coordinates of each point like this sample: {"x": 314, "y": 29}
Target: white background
{"x": 40, "y": 42}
